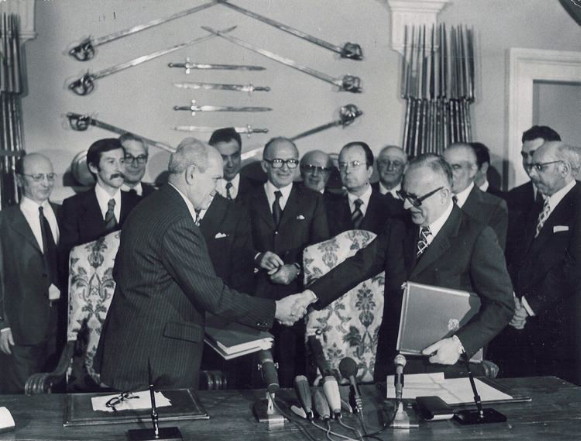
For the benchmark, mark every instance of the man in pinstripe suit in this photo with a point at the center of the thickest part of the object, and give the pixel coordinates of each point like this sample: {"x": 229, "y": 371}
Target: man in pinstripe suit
{"x": 166, "y": 283}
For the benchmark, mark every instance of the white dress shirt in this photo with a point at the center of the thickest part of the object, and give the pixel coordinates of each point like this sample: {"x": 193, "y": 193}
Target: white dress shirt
{"x": 190, "y": 206}
{"x": 103, "y": 199}
{"x": 463, "y": 195}
{"x": 383, "y": 190}
{"x": 364, "y": 198}
{"x": 270, "y": 189}
{"x": 221, "y": 187}
{"x": 30, "y": 211}
{"x": 137, "y": 188}
{"x": 437, "y": 225}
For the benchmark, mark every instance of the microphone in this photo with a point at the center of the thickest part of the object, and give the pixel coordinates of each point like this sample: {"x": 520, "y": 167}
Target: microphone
{"x": 321, "y": 405}
{"x": 331, "y": 390}
{"x": 319, "y": 356}
{"x": 268, "y": 369}
{"x": 304, "y": 394}
{"x": 348, "y": 369}
{"x": 400, "y": 363}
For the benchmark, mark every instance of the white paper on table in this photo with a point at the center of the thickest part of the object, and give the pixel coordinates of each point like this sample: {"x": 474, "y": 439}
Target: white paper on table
{"x": 452, "y": 390}
{"x": 142, "y": 401}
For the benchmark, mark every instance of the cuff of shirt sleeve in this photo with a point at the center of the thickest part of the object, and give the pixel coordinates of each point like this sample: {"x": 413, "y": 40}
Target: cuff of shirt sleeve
{"x": 527, "y": 307}
{"x": 4, "y": 330}
{"x": 459, "y": 344}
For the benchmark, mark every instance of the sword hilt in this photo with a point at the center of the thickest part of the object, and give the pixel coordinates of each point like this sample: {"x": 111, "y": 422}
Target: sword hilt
{"x": 84, "y": 85}
{"x": 352, "y": 51}
{"x": 78, "y": 122}
{"x": 348, "y": 114}
{"x": 351, "y": 83}
{"x": 84, "y": 50}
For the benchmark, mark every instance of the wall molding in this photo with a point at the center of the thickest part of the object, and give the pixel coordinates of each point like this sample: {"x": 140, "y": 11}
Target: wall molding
{"x": 25, "y": 10}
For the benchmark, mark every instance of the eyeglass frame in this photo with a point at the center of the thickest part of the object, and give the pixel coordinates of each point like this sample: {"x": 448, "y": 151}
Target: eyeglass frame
{"x": 540, "y": 166}
{"x": 50, "y": 177}
{"x": 141, "y": 159}
{"x": 417, "y": 201}
{"x": 309, "y": 168}
{"x": 118, "y": 399}
{"x": 291, "y": 163}
{"x": 388, "y": 162}
{"x": 353, "y": 164}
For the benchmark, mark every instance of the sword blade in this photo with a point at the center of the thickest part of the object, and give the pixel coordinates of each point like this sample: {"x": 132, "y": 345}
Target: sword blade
{"x": 247, "y": 129}
{"x": 222, "y": 109}
{"x": 202, "y": 66}
{"x": 214, "y": 86}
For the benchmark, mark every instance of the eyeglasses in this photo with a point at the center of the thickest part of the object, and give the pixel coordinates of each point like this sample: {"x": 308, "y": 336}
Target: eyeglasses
{"x": 117, "y": 400}
{"x": 463, "y": 164}
{"x": 416, "y": 201}
{"x": 141, "y": 159}
{"x": 540, "y": 166}
{"x": 278, "y": 163}
{"x": 308, "y": 168}
{"x": 50, "y": 177}
{"x": 352, "y": 164}
{"x": 387, "y": 163}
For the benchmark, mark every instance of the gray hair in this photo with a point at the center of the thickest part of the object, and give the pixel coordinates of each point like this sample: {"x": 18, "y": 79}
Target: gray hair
{"x": 571, "y": 155}
{"x": 436, "y": 163}
{"x": 190, "y": 151}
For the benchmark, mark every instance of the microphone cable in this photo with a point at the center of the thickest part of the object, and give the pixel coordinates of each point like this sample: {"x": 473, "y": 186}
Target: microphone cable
{"x": 300, "y": 425}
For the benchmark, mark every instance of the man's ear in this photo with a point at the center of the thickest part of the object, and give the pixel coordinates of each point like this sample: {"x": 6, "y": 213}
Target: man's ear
{"x": 190, "y": 173}
{"x": 93, "y": 169}
{"x": 263, "y": 164}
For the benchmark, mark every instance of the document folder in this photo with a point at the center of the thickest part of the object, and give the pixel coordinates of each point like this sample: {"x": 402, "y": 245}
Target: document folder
{"x": 430, "y": 313}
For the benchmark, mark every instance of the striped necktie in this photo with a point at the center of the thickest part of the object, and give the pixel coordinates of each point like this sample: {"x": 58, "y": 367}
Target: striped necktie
{"x": 423, "y": 243}
{"x": 543, "y": 216}
{"x": 357, "y": 215}
{"x": 110, "y": 220}
{"x": 228, "y": 190}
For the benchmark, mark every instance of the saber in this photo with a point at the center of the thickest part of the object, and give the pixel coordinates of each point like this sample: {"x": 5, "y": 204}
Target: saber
{"x": 86, "y": 84}
{"x": 248, "y": 129}
{"x": 189, "y": 66}
{"x": 348, "y": 83}
{"x": 86, "y": 49}
{"x": 194, "y": 108}
{"x": 214, "y": 86}
{"x": 81, "y": 123}
{"x": 347, "y": 114}
{"x": 351, "y": 51}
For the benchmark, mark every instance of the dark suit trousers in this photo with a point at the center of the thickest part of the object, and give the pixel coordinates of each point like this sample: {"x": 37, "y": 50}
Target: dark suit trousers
{"x": 289, "y": 352}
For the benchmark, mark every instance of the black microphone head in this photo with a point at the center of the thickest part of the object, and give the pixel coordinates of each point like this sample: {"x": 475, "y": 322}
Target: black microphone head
{"x": 348, "y": 367}
{"x": 399, "y": 360}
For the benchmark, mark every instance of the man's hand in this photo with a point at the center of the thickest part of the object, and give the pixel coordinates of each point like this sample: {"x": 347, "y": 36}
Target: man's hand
{"x": 269, "y": 261}
{"x": 292, "y": 308}
{"x": 445, "y": 351}
{"x": 6, "y": 340}
{"x": 284, "y": 275}
{"x": 519, "y": 319}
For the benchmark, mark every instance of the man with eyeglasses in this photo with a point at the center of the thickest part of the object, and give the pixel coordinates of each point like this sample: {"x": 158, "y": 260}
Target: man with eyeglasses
{"x": 391, "y": 163}
{"x": 361, "y": 208}
{"x": 285, "y": 218}
{"x": 135, "y": 162}
{"x": 442, "y": 246}
{"x": 485, "y": 207}
{"x": 316, "y": 167}
{"x": 31, "y": 292}
{"x": 544, "y": 317}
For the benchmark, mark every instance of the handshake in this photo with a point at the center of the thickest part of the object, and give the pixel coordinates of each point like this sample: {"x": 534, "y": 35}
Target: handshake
{"x": 292, "y": 308}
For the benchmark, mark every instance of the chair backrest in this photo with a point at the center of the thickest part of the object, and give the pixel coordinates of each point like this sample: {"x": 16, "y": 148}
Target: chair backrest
{"x": 91, "y": 288}
{"x": 349, "y": 326}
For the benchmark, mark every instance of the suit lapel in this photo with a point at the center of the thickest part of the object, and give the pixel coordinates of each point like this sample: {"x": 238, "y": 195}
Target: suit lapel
{"x": 292, "y": 206}
{"x": 20, "y": 225}
{"x": 262, "y": 207}
{"x": 92, "y": 213}
{"x": 214, "y": 217}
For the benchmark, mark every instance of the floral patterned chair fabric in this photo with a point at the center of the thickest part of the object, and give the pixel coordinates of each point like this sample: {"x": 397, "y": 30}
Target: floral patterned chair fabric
{"x": 349, "y": 326}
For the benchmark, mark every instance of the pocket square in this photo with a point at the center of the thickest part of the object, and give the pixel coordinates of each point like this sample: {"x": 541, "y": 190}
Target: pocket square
{"x": 300, "y": 217}
{"x": 559, "y": 228}
{"x": 220, "y": 235}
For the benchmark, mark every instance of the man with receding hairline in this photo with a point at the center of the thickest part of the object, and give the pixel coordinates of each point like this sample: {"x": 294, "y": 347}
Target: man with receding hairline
{"x": 316, "y": 167}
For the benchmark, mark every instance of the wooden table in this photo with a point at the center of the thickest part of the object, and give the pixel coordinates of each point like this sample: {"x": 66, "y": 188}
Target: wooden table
{"x": 553, "y": 414}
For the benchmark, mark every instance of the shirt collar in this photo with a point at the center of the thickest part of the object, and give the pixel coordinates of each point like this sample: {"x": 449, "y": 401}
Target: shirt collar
{"x": 437, "y": 225}
{"x": 463, "y": 195}
{"x": 393, "y": 191}
{"x": 103, "y": 195}
{"x": 32, "y": 206}
{"x": 556, "y": 197}
{"x": 270, "y": 189}
{"x": 138, "y": 188}
{"x": 190, "y": 206}
{"x": 364, "y": 197}
{"x": 484, "y": 187}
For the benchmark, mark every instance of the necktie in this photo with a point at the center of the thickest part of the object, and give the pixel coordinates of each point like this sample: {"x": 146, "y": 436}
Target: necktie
{"x": 539, "y": 201}
{"x": 543, "y": 216}
{"x": 110, "y": 220}
{"x": 423, "y": 240}
{"x": 228, "y": 192}
{"x": 197, "y": 220}
{"x": 455, "y": 199}
{"x": 276, "y": 210}
{"x": 48, "y": 246}
{"x": 357, "y": 215}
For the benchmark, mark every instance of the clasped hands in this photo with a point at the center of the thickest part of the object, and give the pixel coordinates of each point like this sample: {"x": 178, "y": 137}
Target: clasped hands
{"x": 292, "y": 308}
{"x": 279, "y": 272}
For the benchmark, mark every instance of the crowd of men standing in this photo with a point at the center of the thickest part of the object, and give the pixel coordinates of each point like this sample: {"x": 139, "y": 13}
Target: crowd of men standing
{"x": 211, "y": 233}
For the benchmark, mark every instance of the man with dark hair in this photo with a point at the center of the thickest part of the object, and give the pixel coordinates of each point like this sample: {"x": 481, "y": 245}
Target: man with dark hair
{"x": 30, "y": 292}
{"x": 483, "y": 162}
{"x": 136, "y": 156}
{"x": 102, "y": 209}
{"x": 362, "y": 207}
{"x": 443, "y": 246}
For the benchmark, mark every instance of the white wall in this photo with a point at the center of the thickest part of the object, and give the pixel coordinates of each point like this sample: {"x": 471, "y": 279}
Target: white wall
{"x": 141, "y": 99}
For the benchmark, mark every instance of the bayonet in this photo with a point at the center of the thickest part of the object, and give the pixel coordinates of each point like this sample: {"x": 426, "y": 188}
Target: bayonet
{"x": 195, "y": 108}
{"x": 348, "y": 83}
{"x": 214, "y": 86}
{"x": 81, "y": 123}
{"x": 351, "y": 51}
{"x": 189, "y": 66}
{"x": 86, "y": 84}
{"x": 248, "y": 129}
{"x": 86, "y": 49}
{"x": 347, "y": 114}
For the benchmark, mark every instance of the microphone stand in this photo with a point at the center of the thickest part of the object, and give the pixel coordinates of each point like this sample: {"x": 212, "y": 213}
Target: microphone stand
{"x": 265, "y": 410}
{"x": 478, "y": 415}
{"x": 401, "y": 419}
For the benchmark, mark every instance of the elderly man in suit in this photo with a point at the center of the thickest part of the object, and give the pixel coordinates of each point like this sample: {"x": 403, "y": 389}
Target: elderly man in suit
{"x": 30, "y": 289}
{"x": 165, "y": 283}
{"x": 135, "y": 162}
{"x": 391, "y": 164}
{"x": 362, "y": 207}
{"x": 485, "y": 207}
{"x": 544, "y": 299}
{"x": 442, "y": 246}
{"x": 316, "y": 167}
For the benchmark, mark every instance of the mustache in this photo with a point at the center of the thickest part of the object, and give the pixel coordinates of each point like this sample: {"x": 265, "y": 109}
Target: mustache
{"x": 116, "y": 175}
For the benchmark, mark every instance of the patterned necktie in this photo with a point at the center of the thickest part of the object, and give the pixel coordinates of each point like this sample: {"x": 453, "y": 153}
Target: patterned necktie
{"x": 110, "y": 219}
{"x": 276, "y": 210}
{"x": 455, "y": 199}
{"x": 357, "y": 215}
{"x": 48, "y": 246}
{"x": 423, "y": 240}
{"x": 228, "y": 192}
{"x": 543, "y": 216}
{"x": 197, "y": 220}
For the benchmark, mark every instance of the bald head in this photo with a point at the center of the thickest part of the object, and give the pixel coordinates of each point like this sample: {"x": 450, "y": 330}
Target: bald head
{"x": 36, "y": 177}
{"x": 280, "y": 160}
{"x": 316, "y": 168}
{"x": 462, "y": 159}
{"x": 554, "y": 165}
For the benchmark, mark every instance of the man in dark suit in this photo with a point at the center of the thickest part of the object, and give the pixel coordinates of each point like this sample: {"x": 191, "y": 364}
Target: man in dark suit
{"x": 234, "y": 186}
{"x": 488, "y": 209}
{"x": 391, "y": 164}
{"x": 316, "y": 167}
{"x": 442, "y": 247}
{"x": 30, "y": 292}
{"x": 165, "y": 283}
{"x": 285, "y": 218}
{"x": 544, "y": 299}
{"x": 135, "y": 162}
{"x": 483, "y": 165}
{"x": 361, "y": 208}
{"x": 96, "y": 212}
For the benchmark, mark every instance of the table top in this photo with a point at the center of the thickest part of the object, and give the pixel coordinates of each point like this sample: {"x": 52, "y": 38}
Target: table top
{"x": 553, "y": 414}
